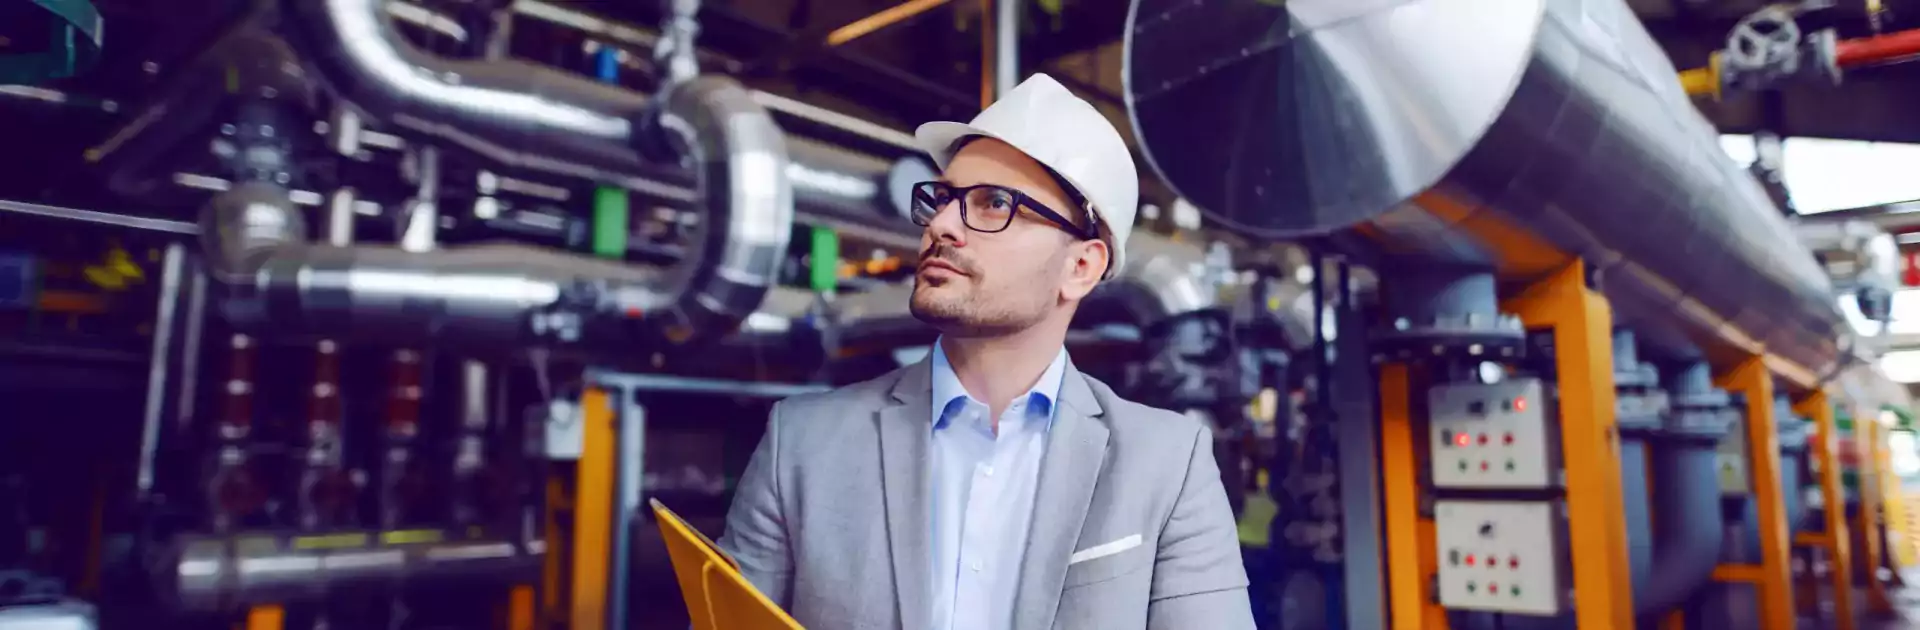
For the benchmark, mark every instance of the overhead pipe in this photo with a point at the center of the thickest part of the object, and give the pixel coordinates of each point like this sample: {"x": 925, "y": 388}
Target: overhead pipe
{"x": 508, "y": 297}
{"x": 1520, "y": 135}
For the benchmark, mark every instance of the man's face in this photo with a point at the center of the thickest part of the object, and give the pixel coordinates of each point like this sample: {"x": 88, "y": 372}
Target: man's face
{"x": 973, "y": 283}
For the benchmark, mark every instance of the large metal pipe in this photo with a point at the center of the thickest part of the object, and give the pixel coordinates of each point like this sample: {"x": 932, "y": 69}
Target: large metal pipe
{"x": 1684, "y": 495}
{"x": 1507, "y": 133}
{"x": 732, "y": 155}
{"x": 534, "y": 117}
{"x": 507, "y": 296}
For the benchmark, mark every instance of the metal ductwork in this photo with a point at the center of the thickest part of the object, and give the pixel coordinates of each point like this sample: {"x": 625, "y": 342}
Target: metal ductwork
{"x": 733, "y": 155}
{"x": 534, "y": 117}
{"x": 1510, "y": 134}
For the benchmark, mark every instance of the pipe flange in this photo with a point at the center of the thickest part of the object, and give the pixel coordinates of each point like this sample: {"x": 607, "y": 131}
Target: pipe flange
{"x": 1641, "y": 376}
{"x": 1640, "y": 412}
{"x": 1472, "y": 336}
{"x": 1794, "y": 434}
{"x": 1701, "y": 426}
{"x": 1711, "y": 400}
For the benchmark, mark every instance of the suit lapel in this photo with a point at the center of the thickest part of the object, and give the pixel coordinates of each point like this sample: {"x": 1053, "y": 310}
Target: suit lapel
{"x": 905, "y": 441}
{"x": 1076, "y": 450}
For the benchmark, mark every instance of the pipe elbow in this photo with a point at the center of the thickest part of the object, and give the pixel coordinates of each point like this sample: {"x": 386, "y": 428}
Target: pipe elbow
{"x": 739, "y": 159}
{"x": 246, "y": 223}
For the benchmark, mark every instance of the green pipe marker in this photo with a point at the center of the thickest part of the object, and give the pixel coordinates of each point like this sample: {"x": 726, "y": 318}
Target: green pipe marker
{"x": 823, "y": 267}
{"x": 610, "y": 222}
{"x": 610, "y": 212}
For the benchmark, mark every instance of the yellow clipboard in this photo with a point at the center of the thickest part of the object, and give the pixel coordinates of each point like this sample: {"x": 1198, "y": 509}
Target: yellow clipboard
{"x": 718, "y": 597}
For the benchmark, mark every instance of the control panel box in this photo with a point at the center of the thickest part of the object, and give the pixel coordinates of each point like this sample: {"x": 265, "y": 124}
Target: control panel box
{"x": 1502, "y": 556}
{"x": 1493, "y": 436}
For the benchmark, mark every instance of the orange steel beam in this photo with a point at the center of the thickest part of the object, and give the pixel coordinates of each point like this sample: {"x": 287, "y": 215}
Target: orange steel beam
{"x": 882, "y": 19}
{"x": 520, "y": 608}
{"x": 592, "y": 543}
{"x": 266, "y": 618}
{"x": 1775, "y": 586}
{"x": 1825, "y": 447}
{"x": 1868, "y": 431}
{"x": 1582, "y": 324}
{"x": 1410, "y": 536}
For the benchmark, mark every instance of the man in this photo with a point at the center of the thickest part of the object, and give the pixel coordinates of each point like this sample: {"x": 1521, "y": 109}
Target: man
{"x": 992, "y": 486}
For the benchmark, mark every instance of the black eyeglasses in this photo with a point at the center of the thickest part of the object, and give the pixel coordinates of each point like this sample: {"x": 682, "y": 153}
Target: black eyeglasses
{"x": 987, "y": 207}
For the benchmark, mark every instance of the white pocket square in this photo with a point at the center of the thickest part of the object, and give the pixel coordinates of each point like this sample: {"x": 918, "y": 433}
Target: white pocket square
{"x": 1103, "y": 550}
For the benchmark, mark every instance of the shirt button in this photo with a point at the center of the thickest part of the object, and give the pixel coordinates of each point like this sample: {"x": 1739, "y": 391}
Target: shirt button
{"x": 976, "y": 566}
{"x": 987, "y": 470}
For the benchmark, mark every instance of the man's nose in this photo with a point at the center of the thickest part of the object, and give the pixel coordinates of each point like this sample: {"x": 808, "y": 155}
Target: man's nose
{"x": 947, "y": 224}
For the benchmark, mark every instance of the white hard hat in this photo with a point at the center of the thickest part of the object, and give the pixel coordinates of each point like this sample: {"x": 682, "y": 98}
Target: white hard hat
{"x": 1059, "y": 130}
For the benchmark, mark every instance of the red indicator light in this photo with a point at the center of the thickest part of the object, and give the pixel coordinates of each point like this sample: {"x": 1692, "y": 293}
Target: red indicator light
{"x": 1493, "y": 587}
{"x": 1483, "y": 439}
{"x": 1513, "y": 563}
{"x": 1508, "y": 439}
{"x": 1469, "y": 559}
{"x": 1520, "y": 404}
{"x": 1462, "y": 439}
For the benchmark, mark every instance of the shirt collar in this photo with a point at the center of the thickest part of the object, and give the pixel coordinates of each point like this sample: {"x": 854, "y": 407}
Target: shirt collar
{"x": 947, "y": 389}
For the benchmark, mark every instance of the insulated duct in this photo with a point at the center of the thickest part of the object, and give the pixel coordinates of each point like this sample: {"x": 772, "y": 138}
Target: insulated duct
{"x": 1516, "y": 134}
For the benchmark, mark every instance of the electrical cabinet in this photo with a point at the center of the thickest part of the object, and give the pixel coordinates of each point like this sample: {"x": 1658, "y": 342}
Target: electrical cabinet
{"x": 1502, "y": 556}
{"x": 1492, "y": 436}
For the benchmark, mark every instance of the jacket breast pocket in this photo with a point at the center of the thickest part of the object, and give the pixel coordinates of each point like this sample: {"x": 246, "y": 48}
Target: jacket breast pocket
{"x": 1107, "y": 561}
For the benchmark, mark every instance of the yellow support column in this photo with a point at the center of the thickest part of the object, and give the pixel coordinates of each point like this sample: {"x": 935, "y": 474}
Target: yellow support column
{"x": 1825, "y": 447}
{"x": 1773, "y": 578}
{"x": 1870, "y": 434}
{"x": 1410, "y": 536}
{"x": 1582, "y": 324}
{"x": 592, "y": 541}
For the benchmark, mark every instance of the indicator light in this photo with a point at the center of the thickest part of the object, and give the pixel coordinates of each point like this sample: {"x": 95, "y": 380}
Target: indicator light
{"x": 1520, "y": 404}
{"x": 1483, "y": 439}
{"x": 1462, "y": 439}
{"x": 1508, "y": 438}
{"x": 1515, "y": 590}
{"x": 1493, "y": 588}
{"x": 1469, "y": 559}
{"x": 1514, "y": 563}
{"x": 1483, "y": 466}
{"x": 1509, "y": 465}
{"x": 1453, "y": 557}
{"x": 1463, "y": 465}
{"x": 1471, "y": 587}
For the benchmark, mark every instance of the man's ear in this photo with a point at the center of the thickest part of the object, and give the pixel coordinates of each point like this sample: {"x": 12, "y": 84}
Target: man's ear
{"x": 1085, "y": 264}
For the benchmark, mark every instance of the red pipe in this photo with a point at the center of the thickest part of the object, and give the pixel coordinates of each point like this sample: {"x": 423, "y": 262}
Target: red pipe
{"x": 1879, "y": 49}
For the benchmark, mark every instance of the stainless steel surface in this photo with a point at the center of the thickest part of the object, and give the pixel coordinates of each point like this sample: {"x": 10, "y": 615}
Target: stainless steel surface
{"x": 65, "y": 614}
{"x": 531, "y": 117}
{"x": 528, "y": 116}
{"x": 484, "y": 295}
{"x": 1420, "y": 119}
{"x": 102, "y": 218}
{"x": 153, "y": 415}
{"x": 1006, "y": 45}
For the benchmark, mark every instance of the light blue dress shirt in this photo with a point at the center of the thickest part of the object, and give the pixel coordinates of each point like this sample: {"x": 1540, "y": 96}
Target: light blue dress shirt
{"x": 983, "y": 489}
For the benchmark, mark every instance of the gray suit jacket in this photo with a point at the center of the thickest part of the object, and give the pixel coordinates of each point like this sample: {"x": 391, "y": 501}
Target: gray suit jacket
{"x": 831, "y": 519}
